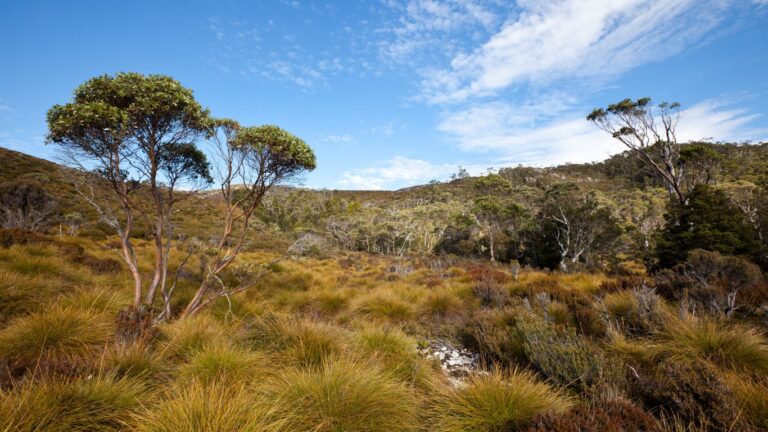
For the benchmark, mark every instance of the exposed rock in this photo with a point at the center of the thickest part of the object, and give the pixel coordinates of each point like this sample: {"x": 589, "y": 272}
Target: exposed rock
{"x": 457, "y": 363}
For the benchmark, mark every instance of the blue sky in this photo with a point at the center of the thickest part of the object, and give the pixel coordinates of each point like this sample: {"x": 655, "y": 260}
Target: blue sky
{"x": 392, "y": 93}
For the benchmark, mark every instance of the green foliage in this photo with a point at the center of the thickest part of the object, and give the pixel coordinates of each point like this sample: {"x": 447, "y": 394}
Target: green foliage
{"x": 496, "y": 402}
{"x": 708, "y": 221}
{"x": 282, "y": 153}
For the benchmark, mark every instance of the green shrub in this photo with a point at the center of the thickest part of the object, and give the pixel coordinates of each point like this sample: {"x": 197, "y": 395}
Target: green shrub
{"x": 55, "y": 339}
{"x": 97, "y": 404}
{"x": 341, "y": 395}
{"x": 566, "y": 358}
{"x": 495, "y": 403}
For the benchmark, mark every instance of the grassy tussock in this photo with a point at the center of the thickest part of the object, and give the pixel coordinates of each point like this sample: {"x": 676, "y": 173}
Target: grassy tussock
{"x": 384, "y": 306}
{"x": 752, "y": 396}
{"x": 225, "y": 365}
{"x": 496, "y": 402}
{"x": 299, "y": 342}
{"x": 57, "y": 337}
{"x": 135, "y": 360}
{"x": 214, "y": 407}
{"x": 341, "y": 395}
{"x": 727, "y": 346}
{"x": 97, "y": 404}
{"x": 181, "y": 338}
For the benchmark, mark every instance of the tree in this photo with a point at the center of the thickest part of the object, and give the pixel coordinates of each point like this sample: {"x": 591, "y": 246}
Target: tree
{"x": 491, "y": 210}
{"x": 25, "y": 205}
{"x": 134, "y": 132}
{"x": 650, "y": 133}
{"x": 709, "y": 221}
{"x": 581, "y": 229}
{"x": 249, "y": 161}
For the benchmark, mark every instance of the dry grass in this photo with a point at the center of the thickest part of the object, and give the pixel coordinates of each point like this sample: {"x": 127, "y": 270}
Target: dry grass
{"x": 59, "y": 337}
{"x": 103, "y": 403}
{"x": 496, "y": 402}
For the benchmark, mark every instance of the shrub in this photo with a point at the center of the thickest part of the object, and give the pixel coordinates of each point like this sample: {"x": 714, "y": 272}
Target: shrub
{"x": 488, "y": 285}
{"x": 566, "y": 358}
{"x": 606, "y": 416}
{"x": 341, "y": 395}
{"x": 102, "y": 403}
{"x": 57, "y": 339}
{"x": 224, "y": 364}
{"x": 197, "y": 407}
{"x": 637, "y": 311}
{"x": 691, "y": 392}
{"x": 14, "y": 236}
{"x": 181, "y": 338}
{"x": 495, "y": 403}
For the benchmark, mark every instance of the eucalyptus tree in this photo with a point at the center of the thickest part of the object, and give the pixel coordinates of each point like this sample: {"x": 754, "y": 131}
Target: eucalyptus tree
{"x": 133, "y": 132}
{"x": 650, "y": 132}
{"x": 249, "y": 161}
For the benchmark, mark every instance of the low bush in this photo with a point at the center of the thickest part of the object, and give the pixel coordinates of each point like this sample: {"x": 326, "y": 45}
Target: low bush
{"x": 605, "y": 416}
{"x": 15, "y": 236}
{"x": 568, "y": 359}
{"x": 102, "y": 403}
{"x": 495, "y": 403}
{"x": 690, "y": 392}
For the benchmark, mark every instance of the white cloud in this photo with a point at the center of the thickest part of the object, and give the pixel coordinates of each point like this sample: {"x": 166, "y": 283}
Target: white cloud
{"x": 503, "y": 130}
{"x": 336, "y": 138}
{"x": 555, "y": 39}
{"x": 434, "y": 28}
{"x": 399, "y": 172}
{"x": 4, "y": 108}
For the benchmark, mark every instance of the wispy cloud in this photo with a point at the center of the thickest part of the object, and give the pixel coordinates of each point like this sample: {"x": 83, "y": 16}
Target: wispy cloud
{"x": 430, "y": 29}
{"x": 336, "y": 138}
{"x": 556, "y": 39}
{"x": 4, "y": 108}
{"x": 503, "y": 130}
{"x": 400, "y": 172}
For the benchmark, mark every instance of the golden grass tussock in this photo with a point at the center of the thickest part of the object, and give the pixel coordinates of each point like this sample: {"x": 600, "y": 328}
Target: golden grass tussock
{"x": 341, "y": 395}
{"x": 383, "y": 306}
{"x": 59, "y": 337}
{"x": 211, "y": 407}
{"x": 135, "y": 360}
{"x": 102, "y": 403}
{"x": 729, "y": 346}
{"x": 752, "y": 397}
{"x": 224, "y": 364}
{"x": 297, "y": 341}
{"x": 181, "y": 338}
{"x": 496, "y": 402}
